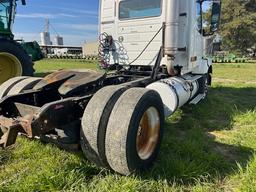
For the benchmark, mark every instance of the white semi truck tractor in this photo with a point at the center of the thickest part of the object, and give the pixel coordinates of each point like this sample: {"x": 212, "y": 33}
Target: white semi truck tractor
{"x": 154, "y": 55}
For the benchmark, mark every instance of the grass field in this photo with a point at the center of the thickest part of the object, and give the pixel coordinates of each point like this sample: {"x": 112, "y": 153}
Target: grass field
{"x": 208, "y": 147}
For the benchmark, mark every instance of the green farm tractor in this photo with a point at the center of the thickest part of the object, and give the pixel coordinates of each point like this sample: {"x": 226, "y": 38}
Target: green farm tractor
{"x": 33, "y": 49}
{"x": 14, "y": 60}
{"x": 226, "y": 57}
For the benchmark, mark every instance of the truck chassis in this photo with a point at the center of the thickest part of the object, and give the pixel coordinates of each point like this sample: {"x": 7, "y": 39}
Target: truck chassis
{"x": 39, "y": 112}
{"x": 53, "y": 110}
{"x": 117, "y": 118}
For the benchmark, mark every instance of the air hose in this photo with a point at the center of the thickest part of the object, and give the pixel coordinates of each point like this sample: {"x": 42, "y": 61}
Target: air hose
{"x": 105, "y": 43}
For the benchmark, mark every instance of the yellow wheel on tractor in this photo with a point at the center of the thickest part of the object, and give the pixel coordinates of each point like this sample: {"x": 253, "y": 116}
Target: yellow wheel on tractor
{"x": 10, "y": 66}
{"x": 14, "y": 60}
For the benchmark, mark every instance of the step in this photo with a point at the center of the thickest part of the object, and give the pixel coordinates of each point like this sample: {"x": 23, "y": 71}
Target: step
{"x": 193, "y": 78}
{"x": 197, "y": 99}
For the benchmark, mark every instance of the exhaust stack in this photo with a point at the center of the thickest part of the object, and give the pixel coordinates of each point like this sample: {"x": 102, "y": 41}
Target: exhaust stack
{"x": 171, "y": 34}
{"x": 171, "y": 28}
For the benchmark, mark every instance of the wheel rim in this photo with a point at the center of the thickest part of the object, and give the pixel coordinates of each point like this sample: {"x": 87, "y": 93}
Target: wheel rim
{"x": 148, "y": 133}
{"x": 10, "y": 66}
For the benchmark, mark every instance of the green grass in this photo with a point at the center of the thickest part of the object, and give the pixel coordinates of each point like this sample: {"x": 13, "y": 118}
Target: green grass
{"x": 208, "y": 147}
{"x": 47, "y": 66}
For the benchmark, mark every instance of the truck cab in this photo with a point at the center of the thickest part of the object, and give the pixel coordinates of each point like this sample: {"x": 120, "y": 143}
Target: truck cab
{"x": 139, "y": 28}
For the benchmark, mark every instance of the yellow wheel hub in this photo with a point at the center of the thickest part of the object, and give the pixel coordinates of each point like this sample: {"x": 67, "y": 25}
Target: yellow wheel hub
{"x": 148, "y": 133}
{"x": 10, "y": 66}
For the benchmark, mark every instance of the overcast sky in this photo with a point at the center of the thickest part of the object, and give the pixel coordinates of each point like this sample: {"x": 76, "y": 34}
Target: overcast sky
{"x": 76, "y": 21}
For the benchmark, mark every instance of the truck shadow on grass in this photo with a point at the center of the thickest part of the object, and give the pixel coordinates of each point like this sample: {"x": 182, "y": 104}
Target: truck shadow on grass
{"x": 190, "y": 152}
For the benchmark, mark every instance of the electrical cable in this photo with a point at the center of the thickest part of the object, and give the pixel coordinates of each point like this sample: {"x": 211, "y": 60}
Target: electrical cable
{"x": 103, "y": 51}
{"x": 104, "y": 58}
{"x": 54, "y": 29}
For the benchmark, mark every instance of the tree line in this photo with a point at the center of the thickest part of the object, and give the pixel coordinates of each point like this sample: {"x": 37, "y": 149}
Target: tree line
{"x": 238, "y": 25}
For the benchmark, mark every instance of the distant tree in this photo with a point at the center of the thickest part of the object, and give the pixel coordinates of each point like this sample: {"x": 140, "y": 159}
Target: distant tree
{"x": 238, "y": 25}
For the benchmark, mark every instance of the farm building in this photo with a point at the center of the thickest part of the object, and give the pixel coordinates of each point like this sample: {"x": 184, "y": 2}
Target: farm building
{"x": 90, "y": 49}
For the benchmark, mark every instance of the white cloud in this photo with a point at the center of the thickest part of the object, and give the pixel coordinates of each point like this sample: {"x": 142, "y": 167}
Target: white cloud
{"x": 80, "y": 27}
{"x": 66, "y": 15}
{"x": 36, "y": 15}
{"x": 87, "y": 12}
{"x": 45, "y": 15}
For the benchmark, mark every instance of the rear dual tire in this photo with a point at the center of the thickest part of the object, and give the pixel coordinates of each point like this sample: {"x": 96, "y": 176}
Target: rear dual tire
{"x": 94, "y": 124}
{"x": 132, "y": 130}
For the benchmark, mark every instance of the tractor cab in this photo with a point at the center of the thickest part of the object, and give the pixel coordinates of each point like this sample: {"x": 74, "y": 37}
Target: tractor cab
{"x": 7, "y": 14}
{"x": 14, "y": 60}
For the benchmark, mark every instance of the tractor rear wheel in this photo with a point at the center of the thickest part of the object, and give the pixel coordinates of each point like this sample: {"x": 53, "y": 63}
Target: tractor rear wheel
{"x": 14, "y": 61}
{"x": 94, "y": 124}
{"x": 134, "y": 131}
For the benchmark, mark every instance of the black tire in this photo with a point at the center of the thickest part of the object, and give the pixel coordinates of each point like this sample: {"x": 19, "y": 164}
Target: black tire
{"x": 14, "y": 48}
{"x": 24, "y": 85}
{"x": 124, "y": 126}
{"x": 204, "y": 84}
{"x": 94, "y": 124}
{"x": 208, "y": 82}
{"x": 6, "y": 86}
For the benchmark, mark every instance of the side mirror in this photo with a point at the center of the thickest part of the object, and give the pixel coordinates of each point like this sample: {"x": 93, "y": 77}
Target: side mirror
{"x": 215, "y": 18}
{"x": 23, "y": 2}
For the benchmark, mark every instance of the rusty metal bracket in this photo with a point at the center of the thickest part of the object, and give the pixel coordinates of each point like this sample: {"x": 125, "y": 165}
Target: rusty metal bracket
{"x": 12, "y": 128}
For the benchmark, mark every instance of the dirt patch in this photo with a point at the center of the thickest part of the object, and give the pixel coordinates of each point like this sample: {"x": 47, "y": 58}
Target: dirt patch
{"x": 227, "y": 152}
{"x": 218, "y": 135}
{"x": 224, "y": 150}
{"x": 221, "y": 80}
